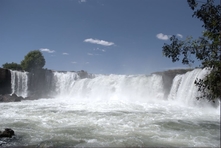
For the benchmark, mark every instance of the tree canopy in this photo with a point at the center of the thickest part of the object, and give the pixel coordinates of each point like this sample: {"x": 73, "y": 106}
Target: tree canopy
{"x": 34, "y": 60}
{"x": 206, "y": 48}
{"x": 12, "y": 66}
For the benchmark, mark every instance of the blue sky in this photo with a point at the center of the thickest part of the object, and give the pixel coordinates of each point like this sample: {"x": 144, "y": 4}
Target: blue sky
{"x": 99, "y": 36}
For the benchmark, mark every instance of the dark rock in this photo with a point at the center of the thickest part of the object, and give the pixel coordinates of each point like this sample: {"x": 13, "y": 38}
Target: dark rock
{"x": 5, "y": 81}
{"x": 10, "y": 98}
{"x": 16, "y": 98}
{"x": 84, "y": 74}
{"x": 1, "y": 98}
{"x": 7, "y": 98}
{"x": 7, "y": 133}
{"x": 39, "y": 84}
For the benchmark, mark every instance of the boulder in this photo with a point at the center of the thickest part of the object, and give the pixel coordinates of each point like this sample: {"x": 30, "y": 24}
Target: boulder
{"x": 10, "y": 98}
{"x": 84, "y": 74}
{"x": 16, "y": 98}
{"x": 7, "y": 133}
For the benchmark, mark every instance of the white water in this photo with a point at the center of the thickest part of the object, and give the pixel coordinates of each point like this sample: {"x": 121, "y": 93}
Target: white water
{"x": 116, "y": 111}
{"x": 19, "y": 83}
{"x": 64, "y": 82}
{"x": 109, "y": 87}
{"x": 184, "y": 91}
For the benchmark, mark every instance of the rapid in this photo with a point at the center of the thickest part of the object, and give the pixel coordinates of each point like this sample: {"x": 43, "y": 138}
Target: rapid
{"x": 114, "y": 111}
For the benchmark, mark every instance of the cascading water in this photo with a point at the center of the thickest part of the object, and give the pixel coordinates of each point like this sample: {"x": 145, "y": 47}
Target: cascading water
{"x": 185, "y": 91}
{"x": 175, "y": 86}
{"x": 110, "y": 87}
{"x": 114, "y": 111}
{"x": 64, "y": 82}
{"x": 19, "y": 83}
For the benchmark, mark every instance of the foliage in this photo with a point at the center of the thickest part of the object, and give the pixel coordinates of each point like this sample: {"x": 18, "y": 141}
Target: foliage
{"x": 206, "y": 48}
{"x": 33, "y": 61}
{"x": 12, "y": 66}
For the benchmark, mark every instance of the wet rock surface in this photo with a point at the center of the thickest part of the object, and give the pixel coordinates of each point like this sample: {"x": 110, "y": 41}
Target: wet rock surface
{"x": 10, "y": 98}
{"x": 5, "y": 81}
{"x": 14, "y": 98}
{"x": 7, "y": 137}
{"x": 7, "y": 133}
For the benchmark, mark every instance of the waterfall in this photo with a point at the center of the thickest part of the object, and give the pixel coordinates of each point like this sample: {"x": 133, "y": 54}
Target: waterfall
{"x": 64, "y": 82}
{"x": 175, "y": 86}
{"x": 185, "y": 91}
{"x": 91, "y": 111}
{"x": 19, "y": 83}
{"x": 135, "y": 88}
{"x": 109, "y": 87}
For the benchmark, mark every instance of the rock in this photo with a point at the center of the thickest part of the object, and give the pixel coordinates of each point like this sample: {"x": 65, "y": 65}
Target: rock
{"x": 1, "y": 99}
{"x": 5, "y": 81}
{"x": 16, "y": 98}
{"x": 83, "y": 74}
{"x": 10, "y": 98}
{"x": 7, "y": 133}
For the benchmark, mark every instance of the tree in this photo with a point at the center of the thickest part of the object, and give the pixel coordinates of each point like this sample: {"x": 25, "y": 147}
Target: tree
{"x": 12, "y": 66}
{"x": 33, "y": 61}
{"x": 206, "y": 48}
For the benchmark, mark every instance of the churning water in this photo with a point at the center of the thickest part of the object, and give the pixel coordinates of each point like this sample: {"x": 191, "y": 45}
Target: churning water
{"x": 116, "y": 111}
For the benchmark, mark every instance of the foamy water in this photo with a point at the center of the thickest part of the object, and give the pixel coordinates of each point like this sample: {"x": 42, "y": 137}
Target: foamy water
{"x": 57, "y": 122}
{"x": 114, "y": 111}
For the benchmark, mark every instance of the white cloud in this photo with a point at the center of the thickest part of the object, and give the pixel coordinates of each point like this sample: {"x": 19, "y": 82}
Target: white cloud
{"x": 103, "y": 50}
{"x": 162, "y": 36}
{"x": 46, "y": 50}
{"x": 90, "y": 54}
{"x": 74, "y": 62}
{"x": 100, "y": 42}
{"x": 180, "y": 35}
{"x": 82, "y": 1}
{"x": 65, "y": 53}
